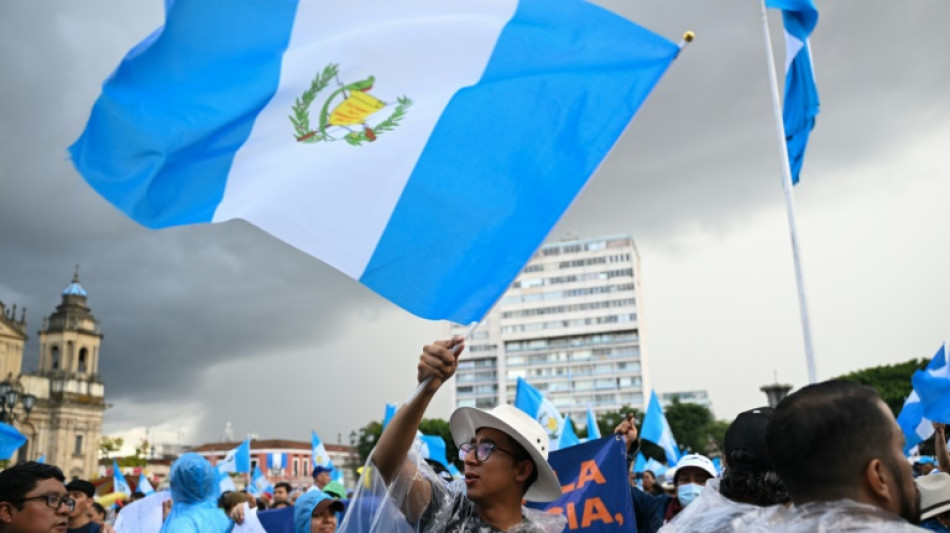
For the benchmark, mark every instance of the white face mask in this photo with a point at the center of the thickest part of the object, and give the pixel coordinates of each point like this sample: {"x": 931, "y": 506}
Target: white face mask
{"x": 688, "y": 492}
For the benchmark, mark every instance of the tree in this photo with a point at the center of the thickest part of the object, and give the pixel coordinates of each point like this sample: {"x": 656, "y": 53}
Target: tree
{"x": 690, "y": 423}
{"x": 369, "y": 436}
{"x": 109, "y": 445}
{"x": 892, "y": 382}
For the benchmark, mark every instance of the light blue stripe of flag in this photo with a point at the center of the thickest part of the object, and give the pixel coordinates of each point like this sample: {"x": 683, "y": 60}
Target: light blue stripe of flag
{"x": 10, "y": 440}
{"x": 568, "y": 436}
{"x": 657, "y": 430}
{"x": 42, "y": 459}
{"x": 276, "y": 460}
{"x": 259, "y": 483}
{"x": 640, "y": 464}
{"x": 225, "y": 483}
{"x": 531, "y": 401}
{"x": 144, "y": 485}
{"x": 118, "y": 480}
{"x": 593, "y": 431}
{"x": 390, "y": 412}
{"x": 915, "y": 426}
{"x": 656, "y": 467}
{"x": 933, "y": 386}
{"x": 433, "y": 447}
{"x": 801, "y": 95}
{"x": 238, "y": 459}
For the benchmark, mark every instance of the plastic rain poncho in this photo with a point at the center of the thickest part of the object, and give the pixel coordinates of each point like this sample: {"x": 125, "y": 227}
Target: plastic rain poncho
{"x": 303, "y": 509}
{"x": 194, "y": 486}
{"x": 825, "y": 517}
{"x": 711, "y": 512}
{"x": 376, "y": 508}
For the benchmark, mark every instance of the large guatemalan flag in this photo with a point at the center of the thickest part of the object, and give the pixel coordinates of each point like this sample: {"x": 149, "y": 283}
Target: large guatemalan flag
{"x": 422, "y": 147}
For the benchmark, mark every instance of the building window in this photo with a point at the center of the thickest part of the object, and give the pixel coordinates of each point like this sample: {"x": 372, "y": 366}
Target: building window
{"x": 306, "y": 467}
{"x": 55, "y": 357}
{"x": 296, "y": 467}
{"x": 82, "y": 359}
{"x": 253, "y": 464}
{"x": 77, "y": 447}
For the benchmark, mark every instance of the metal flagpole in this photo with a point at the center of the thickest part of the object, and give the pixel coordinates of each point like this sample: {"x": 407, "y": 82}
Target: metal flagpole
{"x": 789, "y": 202}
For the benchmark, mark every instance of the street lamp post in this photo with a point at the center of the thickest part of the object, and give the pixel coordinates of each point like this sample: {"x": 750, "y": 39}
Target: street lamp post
{"x": 9, "y": 397}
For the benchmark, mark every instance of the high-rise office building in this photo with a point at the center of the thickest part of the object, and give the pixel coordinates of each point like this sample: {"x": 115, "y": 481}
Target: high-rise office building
{"x": 568, "y": 325}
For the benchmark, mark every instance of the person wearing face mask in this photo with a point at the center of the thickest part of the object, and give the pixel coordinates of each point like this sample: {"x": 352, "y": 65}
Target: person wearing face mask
{"x": 692, "y": 472}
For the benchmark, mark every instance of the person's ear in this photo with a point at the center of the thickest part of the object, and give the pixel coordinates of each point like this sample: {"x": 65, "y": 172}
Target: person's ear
{"x": 6, "y": 512}
{"x": 878, "y": 480}
{"x": 525, "y": 467}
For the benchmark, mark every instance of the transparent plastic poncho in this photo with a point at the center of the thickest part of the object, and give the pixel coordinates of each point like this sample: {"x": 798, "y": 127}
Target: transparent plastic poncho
{"x": 824, "y": 517}
{"x": 712, "y": 512}
{"x": 194, "y": 487}
{"x": 376, "y": 507}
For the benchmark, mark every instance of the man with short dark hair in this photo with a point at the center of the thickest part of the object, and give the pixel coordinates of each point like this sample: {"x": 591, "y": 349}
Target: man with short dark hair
{"x": 282, "y": 492}
{"x": 838, "y": 448}
{"x": 82, "y": 492}
{"x": 33, "y": 499}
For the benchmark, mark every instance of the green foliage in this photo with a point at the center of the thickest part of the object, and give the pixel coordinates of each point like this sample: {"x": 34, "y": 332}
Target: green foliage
{"x": 109, "y": 445}
{"x": 690, "y": 424}
{"x": 301, "y": 108}
{"x": 892, "y": 382}
{"x": 370, "y": 433}
{"x": 609, "y": 420}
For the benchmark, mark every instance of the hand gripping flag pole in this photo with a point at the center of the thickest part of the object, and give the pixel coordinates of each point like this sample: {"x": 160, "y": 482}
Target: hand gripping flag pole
{"x": 426, "y": 381}
{"x": 789, "y": 201}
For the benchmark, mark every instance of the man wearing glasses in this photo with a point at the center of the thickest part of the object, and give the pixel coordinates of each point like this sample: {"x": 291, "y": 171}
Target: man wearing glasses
{"x": 33, "y": 499}
{"x": 504, "y": 452}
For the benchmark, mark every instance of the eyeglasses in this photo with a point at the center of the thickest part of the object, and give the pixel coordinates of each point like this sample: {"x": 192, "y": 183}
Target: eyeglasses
{"x": 483, "y": 450}
{"x": 53, "y": 501}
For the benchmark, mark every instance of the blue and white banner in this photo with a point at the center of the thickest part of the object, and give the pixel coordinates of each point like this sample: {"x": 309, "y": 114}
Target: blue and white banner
{"x": 593, "y": 431}
{"x": 238, "y": 459}
{"x": 276, "y": 461}
{"x": 801, "y": 94}
{"x": 225, "y": 483}
{"x": 531, "y": 401}
{"x": 657, "y": 430}
{"x": 932, "y": 385}
{"x": 119, "y": 484}
{"x": 403, "y": 143}
{"x": 595, "y": 489}
{"x": 319, "y": 452}
{"x": 10, "y": 441}
{"x": 144, "y": 486}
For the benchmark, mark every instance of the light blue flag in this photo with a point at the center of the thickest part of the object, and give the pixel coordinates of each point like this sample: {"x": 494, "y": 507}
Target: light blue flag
{"x": 433, "y": 447}
{"x": 319, "y": 452}
{"x": 593, "y": 431}
{"x": 717, "y": 462}
{"x": 285, "y": 114}
{"x": 225, "y": 483}
{"x": 801, "y": 94}
{"x": 915, "y": 426}
{"x": 640, "y": 464}
{"x": 656, "y": 467}
{"x": 259, "y": 483}
{"x": 276, "y": 461}
{"x": 531, "y": 401}
{"x": 42, "y": 459}
{"x": 10, "y": 440}
{"x": 568, "y": 436}
{"x": 656, "y": 430}
{"x": 144, "y": 485}
{"x": 933, "y": 387}
{"x": 238, "y": 459}
{"x": 119, "y": 484}
{"x": 454, "y": 471}
{"x": 390, "y": 412}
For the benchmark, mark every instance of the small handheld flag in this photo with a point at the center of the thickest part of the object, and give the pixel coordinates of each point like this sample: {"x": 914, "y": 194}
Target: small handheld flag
{"x": 118, "y": 480}
{"x": 657, "y": 430}
{"x": 932, "y": 385}
{"x": 593, "y": 431}
{"x": 319, "y": 452}
{"x": 238, "y": 459}
{"x": 10, "y": 440}
{"x": 144, "y": 486}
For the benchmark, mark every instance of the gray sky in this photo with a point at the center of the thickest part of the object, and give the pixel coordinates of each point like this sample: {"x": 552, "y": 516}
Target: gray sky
{"x": 206, "y": 324}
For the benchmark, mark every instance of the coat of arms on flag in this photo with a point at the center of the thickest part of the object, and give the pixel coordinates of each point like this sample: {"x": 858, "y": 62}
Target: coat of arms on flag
{"x": 346, "y": 119}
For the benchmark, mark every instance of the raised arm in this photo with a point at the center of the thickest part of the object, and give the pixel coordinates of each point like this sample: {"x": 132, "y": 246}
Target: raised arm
{"x": 940, "y": 447}
{"x": 438, "y": 361}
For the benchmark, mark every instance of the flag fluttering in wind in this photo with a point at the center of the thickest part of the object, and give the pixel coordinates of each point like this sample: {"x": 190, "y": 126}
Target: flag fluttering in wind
{"x": 915, "y": 426}
{"x": 593, "y": 431}
{"x": 225, "y": 483}
{"x": 433, "y": 447}
{"x": 801, "y": 95}
{"x": 657, "y": 430}
{"x": 429, "y": 172}
{"x": 390, "y": 412}
{"x": 144, "y": 485}
{"x": 932, "y": 385}
{"x": 568, "y": 436}
{"x": 119, "y": 484}
{"x": 319, "y": 452}
{"x": 238, "y": 459}
{"x": 276, "y": 461}
{"x": 10, "y": 441}
{"x": 259, "y": 483}
{"x": 531, "y": 401}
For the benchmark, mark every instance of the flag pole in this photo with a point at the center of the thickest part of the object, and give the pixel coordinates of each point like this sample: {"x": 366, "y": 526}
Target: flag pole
{"x": 426, "y": 381}
{"x": 789, "y": 201}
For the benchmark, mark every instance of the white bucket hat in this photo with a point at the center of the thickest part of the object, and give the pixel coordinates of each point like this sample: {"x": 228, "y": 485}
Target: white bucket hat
{"x": 526, "y": 431}
{"x": 934, "y": 494}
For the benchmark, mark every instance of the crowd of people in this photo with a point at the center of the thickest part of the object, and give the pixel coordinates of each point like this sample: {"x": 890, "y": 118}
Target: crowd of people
{"x": 829, "y": 457}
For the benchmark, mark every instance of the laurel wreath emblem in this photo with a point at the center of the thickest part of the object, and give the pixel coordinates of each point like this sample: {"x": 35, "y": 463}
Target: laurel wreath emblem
{"x": 300, "y": 118}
